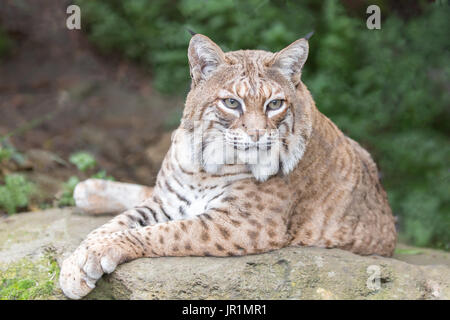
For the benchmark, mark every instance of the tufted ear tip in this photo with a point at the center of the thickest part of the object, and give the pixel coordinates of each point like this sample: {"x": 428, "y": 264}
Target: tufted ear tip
{"x": 191, "y": 32}
{"x": 309, "y": 35}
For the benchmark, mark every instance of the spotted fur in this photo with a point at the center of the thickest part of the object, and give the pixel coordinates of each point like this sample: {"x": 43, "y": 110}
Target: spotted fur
{"x": 240, "y": 181}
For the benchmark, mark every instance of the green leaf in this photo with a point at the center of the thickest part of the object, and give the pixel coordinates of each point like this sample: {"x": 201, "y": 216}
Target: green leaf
{"x": 83, "y": 160}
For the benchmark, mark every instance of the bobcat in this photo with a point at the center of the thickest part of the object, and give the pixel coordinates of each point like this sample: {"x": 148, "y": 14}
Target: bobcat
{"x": 310, "y": 185}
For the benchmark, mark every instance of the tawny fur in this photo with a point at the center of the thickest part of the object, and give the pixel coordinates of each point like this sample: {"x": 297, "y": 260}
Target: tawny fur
{"x": 323, "y": 191}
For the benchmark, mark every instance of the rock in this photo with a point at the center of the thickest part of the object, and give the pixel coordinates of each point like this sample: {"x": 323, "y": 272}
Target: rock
{"x": 32, "y": 245}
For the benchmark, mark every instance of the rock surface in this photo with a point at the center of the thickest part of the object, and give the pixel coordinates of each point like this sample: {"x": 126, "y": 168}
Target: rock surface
{"x": 32, "y": 243}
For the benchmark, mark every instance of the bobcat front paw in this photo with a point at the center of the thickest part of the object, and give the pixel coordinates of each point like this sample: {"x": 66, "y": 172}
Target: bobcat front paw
{"x": 85, "y": 266}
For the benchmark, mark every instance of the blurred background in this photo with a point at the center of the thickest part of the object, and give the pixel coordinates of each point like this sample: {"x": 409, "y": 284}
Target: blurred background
{"x": 102, "y": 101}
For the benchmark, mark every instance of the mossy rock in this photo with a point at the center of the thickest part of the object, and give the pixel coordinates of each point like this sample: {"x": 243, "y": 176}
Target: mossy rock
{"x": 28, "y": 279}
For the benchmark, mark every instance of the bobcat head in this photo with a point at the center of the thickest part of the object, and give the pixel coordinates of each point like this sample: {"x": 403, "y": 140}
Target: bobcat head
{"x": 249, "y": 107}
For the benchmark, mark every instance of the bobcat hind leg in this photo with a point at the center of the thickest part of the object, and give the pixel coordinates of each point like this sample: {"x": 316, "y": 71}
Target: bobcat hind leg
{"x": 96, "y": 196}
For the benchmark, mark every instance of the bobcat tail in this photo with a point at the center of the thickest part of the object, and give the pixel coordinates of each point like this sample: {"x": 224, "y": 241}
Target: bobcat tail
{"x": 97, "y": 196}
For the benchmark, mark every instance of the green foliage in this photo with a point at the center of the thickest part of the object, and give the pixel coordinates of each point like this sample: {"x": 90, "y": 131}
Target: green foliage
{"x": 154, "y": 32}
{"x": 67, "y": 194}
{"x": 8, "y": 152}
{"x": 102, "y": 175}
{"x": 15, "y": 193}
{"x": 387, "y": 89}
{"x": 83, "y": 160}
{"x": 5, "y": 154}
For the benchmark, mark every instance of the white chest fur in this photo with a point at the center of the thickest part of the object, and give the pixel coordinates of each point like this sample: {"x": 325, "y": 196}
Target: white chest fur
{"x": 184, "y": 191}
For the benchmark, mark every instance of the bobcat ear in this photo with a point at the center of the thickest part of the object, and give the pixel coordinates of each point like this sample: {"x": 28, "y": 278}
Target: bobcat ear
{"x": 291, "y": 59}
{"x": 204, "y": 57}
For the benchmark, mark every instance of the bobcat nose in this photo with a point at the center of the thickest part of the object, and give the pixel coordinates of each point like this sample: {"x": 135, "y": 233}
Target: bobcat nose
{"x": 254, "y": 135}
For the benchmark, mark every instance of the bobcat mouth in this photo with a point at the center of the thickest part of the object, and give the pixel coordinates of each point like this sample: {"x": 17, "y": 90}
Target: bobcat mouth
{"x": 247, "y": 146}
{"x": 238, "y": 142}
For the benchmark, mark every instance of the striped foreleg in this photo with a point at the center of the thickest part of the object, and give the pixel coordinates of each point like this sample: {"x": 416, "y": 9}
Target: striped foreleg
{"x": 218, "y": 232}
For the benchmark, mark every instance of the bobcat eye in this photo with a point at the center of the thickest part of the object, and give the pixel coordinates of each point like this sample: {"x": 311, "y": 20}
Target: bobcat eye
{"x": 275, "y": 104}
{"x": 231, "y": 103}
